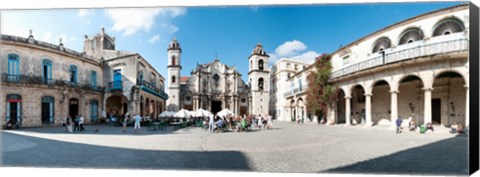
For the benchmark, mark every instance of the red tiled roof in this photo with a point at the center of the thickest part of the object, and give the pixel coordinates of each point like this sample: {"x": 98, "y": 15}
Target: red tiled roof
{"x": 184, "y": 78}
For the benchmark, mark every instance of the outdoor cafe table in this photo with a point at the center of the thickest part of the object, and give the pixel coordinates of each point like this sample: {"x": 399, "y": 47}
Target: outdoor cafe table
{"x": 176, "y": 124}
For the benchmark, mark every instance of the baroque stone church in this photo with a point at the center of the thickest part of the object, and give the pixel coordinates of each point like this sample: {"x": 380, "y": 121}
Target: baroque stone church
{"x": 215, "y": 86}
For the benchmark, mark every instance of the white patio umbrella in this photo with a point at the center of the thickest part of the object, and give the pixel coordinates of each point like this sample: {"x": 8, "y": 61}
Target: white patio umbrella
{"x": 225, "y": 112}
{"x": 183, "y": 113}
{"x": 202, "y": 113}
{"x": 167, "y": 114}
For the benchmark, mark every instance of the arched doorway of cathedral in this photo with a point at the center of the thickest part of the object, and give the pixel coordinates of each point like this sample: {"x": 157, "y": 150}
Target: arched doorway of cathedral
{"x": 340, "y": 119}
{"x": 117, "y": 105}
{"x": 216, "y": 106}
{"x": 410, "y": 98}
{"x": 380, "y": 101}
{"x": 358, "y": 105}
{"x": 449, "y": 99}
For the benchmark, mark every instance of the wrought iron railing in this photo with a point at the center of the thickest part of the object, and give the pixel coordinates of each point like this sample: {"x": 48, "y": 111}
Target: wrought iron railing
{"x": 115, "y": 85}
{"x": 153, "y": 87}
{"x": 39, "y": 80}
{"x": 298, "y": 90}
{"x": 411, "y": 51}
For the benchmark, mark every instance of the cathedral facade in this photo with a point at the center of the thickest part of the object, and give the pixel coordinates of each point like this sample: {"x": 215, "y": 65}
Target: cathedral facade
{"x": 215, "y": 86}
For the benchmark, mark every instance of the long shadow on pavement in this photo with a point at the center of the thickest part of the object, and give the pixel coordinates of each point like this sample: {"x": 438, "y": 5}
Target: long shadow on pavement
{"x": 446, "y": 157}
{"x": 52, "y": 153}
{"x": 105, "y": 129}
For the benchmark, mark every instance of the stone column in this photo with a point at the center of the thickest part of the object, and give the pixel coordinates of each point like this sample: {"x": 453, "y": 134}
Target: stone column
{"x": 393, "y": 106}
{"x": 467, "y": 108}
{"x": 347, "y": 110}
{"x": 427, "y": 113}
{"x": 368, "y": 109}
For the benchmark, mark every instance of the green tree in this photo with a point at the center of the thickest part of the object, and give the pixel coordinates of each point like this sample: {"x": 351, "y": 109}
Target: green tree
{"x": 321, "y": 95}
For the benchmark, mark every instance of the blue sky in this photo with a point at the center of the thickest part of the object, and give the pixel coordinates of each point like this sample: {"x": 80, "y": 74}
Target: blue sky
{"x": 299, "y": 32}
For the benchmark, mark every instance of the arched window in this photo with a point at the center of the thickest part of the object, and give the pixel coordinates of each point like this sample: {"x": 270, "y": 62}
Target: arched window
{"x": 173, "y": 60}
{"x": 448, "y": 26}
{"x": 47, "y": 70}
{"x": 410, "y": 35}
{"x": 173, "y": 79}
{"x": 381, "y": 44}
{"x": 251, "y": 64}
{"x": 13, "y": 67}
{"x": 73, "y": 74}
{"x": 260, "y": 84}
{"x": 260, "y": 65}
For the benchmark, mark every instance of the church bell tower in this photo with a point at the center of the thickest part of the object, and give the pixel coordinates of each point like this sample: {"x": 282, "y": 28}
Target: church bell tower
{"x": 259, "y": 77}
{"x": 174, "y": 68}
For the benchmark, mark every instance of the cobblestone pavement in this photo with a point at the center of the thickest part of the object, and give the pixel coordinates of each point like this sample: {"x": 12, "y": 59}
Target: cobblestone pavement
{"x": 286, "y": 148}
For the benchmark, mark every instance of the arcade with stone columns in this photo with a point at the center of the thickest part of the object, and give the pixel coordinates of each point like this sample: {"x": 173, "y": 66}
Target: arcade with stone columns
{"x": 418, "y": 67}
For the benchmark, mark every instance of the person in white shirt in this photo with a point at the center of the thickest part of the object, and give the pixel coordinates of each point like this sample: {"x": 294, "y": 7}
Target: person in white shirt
{"x": 210, "y": 123}
{"x": 137, "y": 123}
{"x": 80, "y": 123}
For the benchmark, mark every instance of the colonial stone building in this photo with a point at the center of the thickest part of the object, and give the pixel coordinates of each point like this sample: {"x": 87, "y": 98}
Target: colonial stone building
{"x": 418, "y": 67}
{"x": 216, "y": 86}
{"x": 132, "y": 84}
{"x": 286, "y": 85}
{"x": 43, "y": 83}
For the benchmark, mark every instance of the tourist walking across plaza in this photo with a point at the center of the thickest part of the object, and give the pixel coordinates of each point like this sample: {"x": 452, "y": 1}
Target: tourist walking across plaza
{"x": 69, "y": 124}
{"x": 210, "y": 123}
{"x": 136, "y": 126}
{"x": 124, "y": 123}
{"x": 80, "y": 123}
{"x": 399, "y": 124}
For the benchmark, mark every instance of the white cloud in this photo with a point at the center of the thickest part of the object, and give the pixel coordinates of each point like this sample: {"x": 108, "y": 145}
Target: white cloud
{"x": 154, "y": 39}
{"x": 50, "y": 38}
{"x": 293, "y": 50}
{"x": 85, "y": 12}
{"x": 66, "y": 39}
{"x": 131, "y": 21}
{"x": 47, "y": 37}
{"x": 307, "y": 56}
{"x": 290, "y": 48}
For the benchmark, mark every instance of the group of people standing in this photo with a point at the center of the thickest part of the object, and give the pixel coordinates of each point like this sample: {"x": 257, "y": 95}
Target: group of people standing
{"x": 217, "y": 123}
{"x": 73, "y": 125}
{"x": 454, "y": 128}
{"x": 136, "y": 126}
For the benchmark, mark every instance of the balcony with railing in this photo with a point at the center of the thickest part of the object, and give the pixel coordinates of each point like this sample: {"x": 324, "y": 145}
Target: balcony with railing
{"x": 437, "y": 45}
{"x": 115, "y": 85}
{"x": 39, "y": 80}
{"x": 297, "y": 91}
{"x": 152, "y": 88}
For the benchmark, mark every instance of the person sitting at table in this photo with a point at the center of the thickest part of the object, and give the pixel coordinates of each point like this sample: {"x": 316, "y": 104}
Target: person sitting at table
{"x": 429, "y": 126}
{"x": 454, "y": 128}
{"x": 460, "y": 129}
{"x": 412, "y": 126}
{"x": 219, "y": 125}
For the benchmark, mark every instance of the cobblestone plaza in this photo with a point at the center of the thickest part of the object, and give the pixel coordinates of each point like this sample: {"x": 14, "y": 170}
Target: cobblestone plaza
{"x": 304, "y": 148}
